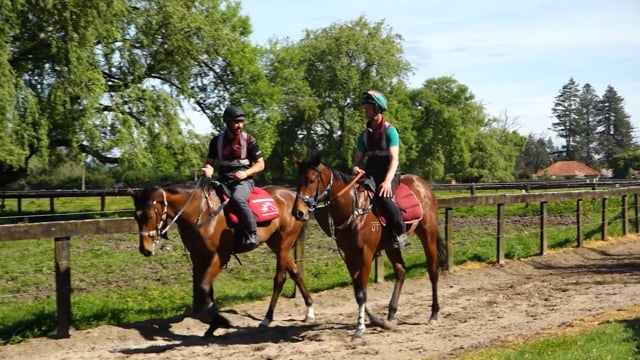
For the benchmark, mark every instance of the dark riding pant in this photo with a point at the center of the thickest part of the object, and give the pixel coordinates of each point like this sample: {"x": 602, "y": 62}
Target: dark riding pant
{"x": 239, "y": 200}
{"x": 389, "y": 208}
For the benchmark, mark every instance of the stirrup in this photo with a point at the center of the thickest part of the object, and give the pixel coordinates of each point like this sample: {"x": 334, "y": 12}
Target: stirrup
{"x": 399, "y": 241}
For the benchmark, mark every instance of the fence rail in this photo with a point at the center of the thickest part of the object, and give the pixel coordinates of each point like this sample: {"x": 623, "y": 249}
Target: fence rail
{"x": 62, "y": 232}
{"x": 525, "y": 186}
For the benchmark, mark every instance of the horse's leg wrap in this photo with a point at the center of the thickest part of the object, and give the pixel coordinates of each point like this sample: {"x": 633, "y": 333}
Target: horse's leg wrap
{"x": 361, "y": 299}
{"x": 360, "y": 328}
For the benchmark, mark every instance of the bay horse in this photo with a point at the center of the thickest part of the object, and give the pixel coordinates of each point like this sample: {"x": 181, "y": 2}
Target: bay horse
{"x": 205, "y": 232}
{"x": 359, "y": 233}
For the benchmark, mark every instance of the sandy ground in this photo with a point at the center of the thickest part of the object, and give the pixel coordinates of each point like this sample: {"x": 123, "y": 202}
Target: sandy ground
{"x": 479, "y": 306}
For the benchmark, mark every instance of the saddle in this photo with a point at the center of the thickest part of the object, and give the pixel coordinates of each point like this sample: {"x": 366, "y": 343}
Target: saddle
{"x": 405, "y": 199}
{"x": 262, "y": 205}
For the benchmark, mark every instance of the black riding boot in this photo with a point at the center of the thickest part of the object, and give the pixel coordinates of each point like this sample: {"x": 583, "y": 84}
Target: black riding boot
{"x": 246, "y": 241}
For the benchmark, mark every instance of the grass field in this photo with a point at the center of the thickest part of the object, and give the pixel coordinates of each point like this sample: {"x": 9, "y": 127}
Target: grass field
{"x": 114, "y": 284}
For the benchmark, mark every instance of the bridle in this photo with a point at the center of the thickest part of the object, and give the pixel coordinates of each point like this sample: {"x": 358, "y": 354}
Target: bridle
{"x": 161, "y": 229}
{"x": 313, "y": 202}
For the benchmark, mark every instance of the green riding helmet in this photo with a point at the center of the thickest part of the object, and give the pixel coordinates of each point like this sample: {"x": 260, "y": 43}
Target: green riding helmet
{"x": 375, "y": 97}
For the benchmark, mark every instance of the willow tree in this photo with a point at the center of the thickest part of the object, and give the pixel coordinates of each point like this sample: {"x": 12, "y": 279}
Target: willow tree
{"x": 113, "y": 79}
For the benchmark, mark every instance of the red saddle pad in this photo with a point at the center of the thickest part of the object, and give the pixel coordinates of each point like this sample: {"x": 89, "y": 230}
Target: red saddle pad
{"x": 408, "y": 204}
{"x": 262, "y": 205}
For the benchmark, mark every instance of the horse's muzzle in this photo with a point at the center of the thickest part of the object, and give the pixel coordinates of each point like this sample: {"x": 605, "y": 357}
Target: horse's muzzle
{"x": 146, "y": 252}
{"x": 301, "y": 215}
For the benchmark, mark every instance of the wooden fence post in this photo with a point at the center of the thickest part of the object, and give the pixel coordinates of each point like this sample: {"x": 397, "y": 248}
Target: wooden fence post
{"x": 298, "y": 255}
{"x": 63, "y": 285}
{"x": 605, "y": 219}
{"x": 625, "y": 217}
{"x": 500, "y": 235}
{"x": 544, "y": 212}
{"x": 635, "y": 212}
{"x": 378, "y": 275}
{"x": 448, "y": 232}
{"x": 579, "y": 223}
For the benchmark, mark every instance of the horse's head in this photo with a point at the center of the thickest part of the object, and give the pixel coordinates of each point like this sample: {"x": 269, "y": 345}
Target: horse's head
{"x": 151, "y": 215}
{"x": 313, "y": 184}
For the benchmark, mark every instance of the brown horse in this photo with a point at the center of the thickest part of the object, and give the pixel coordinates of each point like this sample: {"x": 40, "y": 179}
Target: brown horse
{"x": 202, "y": 224}
{"x": 359, "y": 234}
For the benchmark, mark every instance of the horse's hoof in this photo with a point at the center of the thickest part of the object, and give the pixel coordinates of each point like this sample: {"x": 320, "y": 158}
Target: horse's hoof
{"x": 264, "y": 323}
{"x": 390, "y": 324}
{"x": 433, "y": 322}
{"x": 357, "y": 335}
{"x": 209, "y": 333}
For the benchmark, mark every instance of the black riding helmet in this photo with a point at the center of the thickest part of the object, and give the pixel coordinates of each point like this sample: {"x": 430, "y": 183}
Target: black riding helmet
{"x": 233, "y": 113}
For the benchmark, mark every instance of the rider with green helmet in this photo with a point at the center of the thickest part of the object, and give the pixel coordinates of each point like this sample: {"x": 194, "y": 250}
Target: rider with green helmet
{"x": 380, "y": 143}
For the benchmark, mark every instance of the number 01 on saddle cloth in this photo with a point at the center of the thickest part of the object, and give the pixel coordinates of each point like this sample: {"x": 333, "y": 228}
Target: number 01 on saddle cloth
{"x": 405, "y": 199}
{"x": 262, "y": 205}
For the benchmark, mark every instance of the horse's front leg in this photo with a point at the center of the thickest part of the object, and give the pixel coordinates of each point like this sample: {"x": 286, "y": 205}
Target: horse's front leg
{"x": 361, "y": 298}
{"x": 286, "y": 264}
{"x": 215, "y": 319}
{"x": 278, "y": 282}
{"x": 202, "y": 293}
{"x": 395, "y": 257}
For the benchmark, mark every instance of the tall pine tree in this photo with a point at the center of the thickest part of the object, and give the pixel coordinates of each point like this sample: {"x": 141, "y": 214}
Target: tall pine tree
{"x": 616, "y": 131}
{"x": 565, "y": 110}
{"x": 587, "y": 126}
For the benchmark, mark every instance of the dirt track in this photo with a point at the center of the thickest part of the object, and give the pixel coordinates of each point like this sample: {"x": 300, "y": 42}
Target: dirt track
{"x": 479, "y": 306}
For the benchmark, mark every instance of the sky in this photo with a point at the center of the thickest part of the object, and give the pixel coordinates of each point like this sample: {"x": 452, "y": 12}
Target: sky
{"x": 514, "y": 56}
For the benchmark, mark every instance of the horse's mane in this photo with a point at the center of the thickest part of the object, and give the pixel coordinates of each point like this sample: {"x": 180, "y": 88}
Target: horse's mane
{"x": 172, "y": 187}
{"x": 314, "y": 161}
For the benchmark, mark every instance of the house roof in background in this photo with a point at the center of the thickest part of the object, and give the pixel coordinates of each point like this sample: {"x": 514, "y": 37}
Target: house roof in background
{"x": 567, "y": 168}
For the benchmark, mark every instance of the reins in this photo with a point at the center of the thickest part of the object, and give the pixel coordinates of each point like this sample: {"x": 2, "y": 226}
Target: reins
{"x": 347, "y": 187}
{"x": 181, "y": 210}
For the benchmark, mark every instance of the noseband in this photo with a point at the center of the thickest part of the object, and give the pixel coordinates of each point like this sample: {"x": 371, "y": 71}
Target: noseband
{"x": 159, "y": 224}
{"x": 161, "y": 229}
{"x": 313, "y": 202}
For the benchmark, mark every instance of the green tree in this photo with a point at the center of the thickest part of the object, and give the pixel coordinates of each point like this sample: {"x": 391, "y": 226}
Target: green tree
{"x": 447, "y": 123}
{"x": 625, "y": 164}
{"x": 494, "y": 154}
{"x": 108, "y": 79}
{"x": 587, "y": 126}
{"x": 534, "y": 157}
{"x": 565, "y": 109}
{"x": 615, "y": 135}
{"x": 322, "y": 78}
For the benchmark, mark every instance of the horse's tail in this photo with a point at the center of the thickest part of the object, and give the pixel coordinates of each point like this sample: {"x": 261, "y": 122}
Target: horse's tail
{"x": 443, "y": 255}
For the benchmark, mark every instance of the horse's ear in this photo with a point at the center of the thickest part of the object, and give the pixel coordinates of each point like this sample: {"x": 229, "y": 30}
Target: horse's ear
{"x": 131, "y": 192}
{"x": 297, "y": 161}
{"x": 315, "y": 159}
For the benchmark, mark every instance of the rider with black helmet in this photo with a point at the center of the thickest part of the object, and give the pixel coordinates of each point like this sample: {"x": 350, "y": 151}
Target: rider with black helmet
{"x": 238, "y": 158}
{"x": 380, "y": 143}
